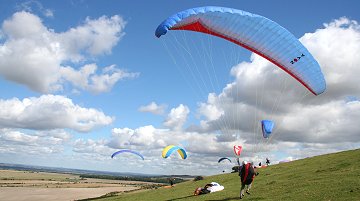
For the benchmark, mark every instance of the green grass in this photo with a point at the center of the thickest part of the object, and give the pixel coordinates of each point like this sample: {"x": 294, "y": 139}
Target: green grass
{"x": 327, "y": 177}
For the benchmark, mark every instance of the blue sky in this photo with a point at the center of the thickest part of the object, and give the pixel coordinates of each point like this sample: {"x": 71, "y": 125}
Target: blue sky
{"x": 82, "y": 79}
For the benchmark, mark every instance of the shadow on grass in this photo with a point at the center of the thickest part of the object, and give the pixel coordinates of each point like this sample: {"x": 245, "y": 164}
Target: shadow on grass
{"x": 238, "y": 198}
{"x": 226, "y": 199}
{"x": 181, "y": 198}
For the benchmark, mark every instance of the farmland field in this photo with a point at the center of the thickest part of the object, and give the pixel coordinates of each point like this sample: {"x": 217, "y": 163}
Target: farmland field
{"x": 38, "y": 186}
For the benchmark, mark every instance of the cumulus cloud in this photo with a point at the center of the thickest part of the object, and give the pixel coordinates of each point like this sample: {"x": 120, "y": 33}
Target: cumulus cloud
{"x": 337, "y": 48}
{"x": 313, "y": 124}
{"x": 32, "y": 5}
{"x": 87, "y": 79}
{"x": 95, "y": 37}
{"x": 203, "y": 149}
{"x": 300, "y": 116}
{"x": 42, "y": 53}
{"x": 326, "y": 123}
{"x": 177, "y": 117}
{"x": 209, "y": 110}
{"x": 40, "y": 142}
{"x": 153, "y": 108}
{"x": 154, "y": 139}
{"x": 92, "y": 147}
{"x": 143, "y": 136}
{"x": 120, "y": 137}
{"x": 50, "y": 112}
{"x": 260, "y": 90}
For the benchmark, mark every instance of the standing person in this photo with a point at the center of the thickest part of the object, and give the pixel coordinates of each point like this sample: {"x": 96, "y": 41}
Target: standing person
{"x": 171, "y": 181}
{"x": 247, "y": 174}
{"x": 267, "y": 161}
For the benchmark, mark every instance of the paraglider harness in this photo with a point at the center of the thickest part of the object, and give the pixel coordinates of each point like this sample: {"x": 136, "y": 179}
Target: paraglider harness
{"x": 247, "y": 174}
{"x": 200, "y": 191}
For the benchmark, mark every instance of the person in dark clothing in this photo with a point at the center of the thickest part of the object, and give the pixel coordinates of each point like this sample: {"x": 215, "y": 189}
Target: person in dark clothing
{"x": 247, "y": 174}
{"x": 171, "y": 181}
{"x": 267, "y": 161}
{"x": 200, "y": 191}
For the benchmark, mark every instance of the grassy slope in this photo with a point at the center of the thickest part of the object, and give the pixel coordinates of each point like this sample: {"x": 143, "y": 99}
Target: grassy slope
{"x": 327, "y": 177}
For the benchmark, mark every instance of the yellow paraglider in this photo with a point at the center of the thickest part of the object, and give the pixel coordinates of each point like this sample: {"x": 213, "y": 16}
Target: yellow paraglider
{"x": 167, "y": 151}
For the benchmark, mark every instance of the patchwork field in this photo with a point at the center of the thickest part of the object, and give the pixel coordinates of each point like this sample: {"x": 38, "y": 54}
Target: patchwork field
{"x": 38, "y": 186}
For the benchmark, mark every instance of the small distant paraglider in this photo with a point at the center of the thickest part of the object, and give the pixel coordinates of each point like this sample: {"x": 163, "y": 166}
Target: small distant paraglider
{"x": 224, "y": 158}
{"x": 237, "y": 150}
{"x": 167, "y": 151}
{"x": 267, "y": 127}
{"x": 127, "y": 151}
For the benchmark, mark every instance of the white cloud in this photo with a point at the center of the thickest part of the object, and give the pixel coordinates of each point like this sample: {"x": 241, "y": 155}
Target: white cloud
{"x": 177, "y": 117}
{"x": 337, "y": 48}
{"x": 36, "y": 143}
{"x": 43, "y": 53}
{"x": 32, "y": 5}
{"x": 153, "y": 108}
{"x": 313, "y": 124}
{"x": 210, "y": 111}
{"x": 143, "y": 136}
{"x": 326, "y": 123}
{"x": 50, "y": 112}
{"x": 203, "y": 149}
{"x": 17, "y": 137}
{"x": 95, "y": 37}
{"x": 299, "y": 117}
{"x": 92, "y": 146}
{"x": 87, "y": 79}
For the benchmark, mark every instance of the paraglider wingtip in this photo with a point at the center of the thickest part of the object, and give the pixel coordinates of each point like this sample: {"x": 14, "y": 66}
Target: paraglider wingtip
{"x": 162, "y": 29}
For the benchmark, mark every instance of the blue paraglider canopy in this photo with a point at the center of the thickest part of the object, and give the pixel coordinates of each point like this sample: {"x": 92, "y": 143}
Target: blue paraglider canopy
{"x": 267, "y": 127}
{"x": 127, "y": 151}
{"x": 255, "y": 33}
{"x": 224, "y": 158}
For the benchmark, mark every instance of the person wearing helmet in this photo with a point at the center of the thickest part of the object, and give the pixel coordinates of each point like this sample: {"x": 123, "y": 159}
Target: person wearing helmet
{"x": 247, "y": 174}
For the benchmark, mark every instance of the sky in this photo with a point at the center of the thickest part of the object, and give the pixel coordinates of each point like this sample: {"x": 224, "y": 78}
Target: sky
{"x": 80, "y": 80}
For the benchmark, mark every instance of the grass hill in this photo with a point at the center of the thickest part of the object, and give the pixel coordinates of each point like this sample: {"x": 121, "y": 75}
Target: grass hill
{"x": 327, "y": 177}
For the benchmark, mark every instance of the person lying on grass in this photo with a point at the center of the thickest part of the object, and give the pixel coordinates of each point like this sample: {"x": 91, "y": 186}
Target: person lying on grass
{"x": 209, "y": 188}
